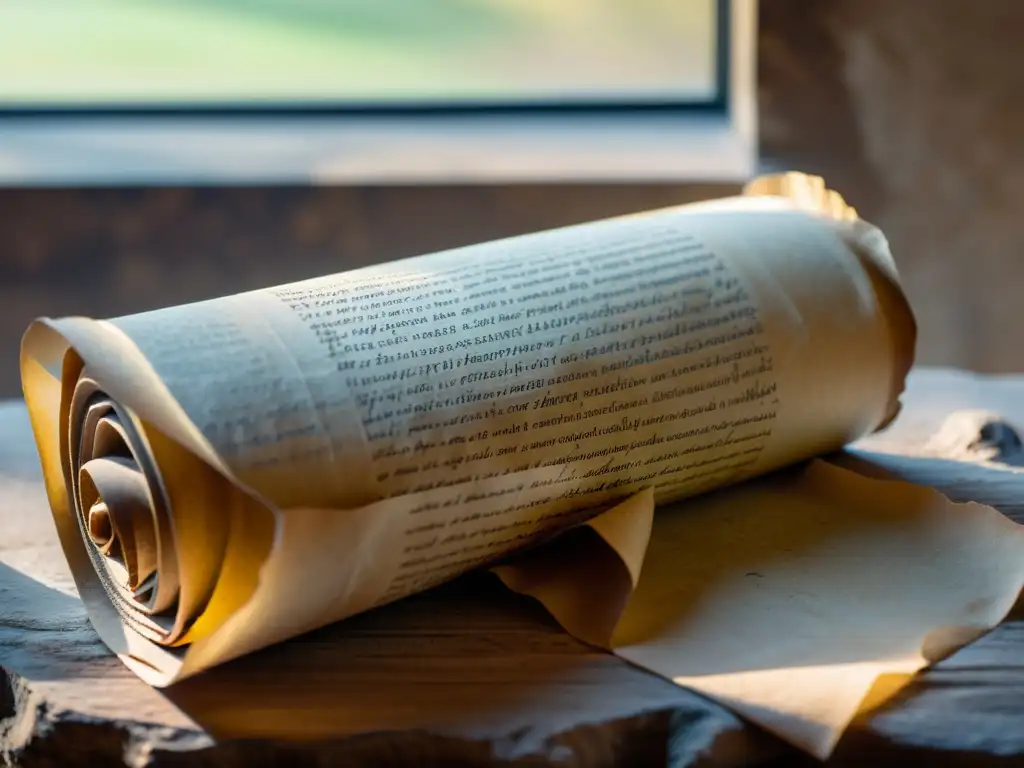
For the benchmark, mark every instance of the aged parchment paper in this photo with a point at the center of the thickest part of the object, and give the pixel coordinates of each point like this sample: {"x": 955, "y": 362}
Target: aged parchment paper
{"x": 229, "y": 474}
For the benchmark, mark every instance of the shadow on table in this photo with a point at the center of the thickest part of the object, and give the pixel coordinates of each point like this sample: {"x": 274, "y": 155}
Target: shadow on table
{"x": 468, "y": 674}
{"x": 469, "y": 661}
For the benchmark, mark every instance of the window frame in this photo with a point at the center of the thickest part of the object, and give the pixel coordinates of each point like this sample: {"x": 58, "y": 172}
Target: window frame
{"x": 466, "y": 142}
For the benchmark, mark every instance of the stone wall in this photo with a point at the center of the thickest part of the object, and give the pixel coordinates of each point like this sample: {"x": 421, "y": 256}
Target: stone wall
{"x": 911, "y": 108}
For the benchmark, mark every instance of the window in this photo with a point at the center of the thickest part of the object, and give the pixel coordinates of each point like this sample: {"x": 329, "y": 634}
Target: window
{"x": 156, "y": 91}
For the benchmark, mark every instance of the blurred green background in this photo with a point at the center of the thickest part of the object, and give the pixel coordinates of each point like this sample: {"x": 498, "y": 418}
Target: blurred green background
{"x": 142, "y": 51}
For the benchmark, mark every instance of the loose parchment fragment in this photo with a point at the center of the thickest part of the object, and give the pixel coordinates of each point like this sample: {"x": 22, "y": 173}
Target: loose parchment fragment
{"x": 786, "y": 598}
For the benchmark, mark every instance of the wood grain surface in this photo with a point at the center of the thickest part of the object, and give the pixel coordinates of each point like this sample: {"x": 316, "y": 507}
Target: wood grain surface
{"x": 471, "y": 674}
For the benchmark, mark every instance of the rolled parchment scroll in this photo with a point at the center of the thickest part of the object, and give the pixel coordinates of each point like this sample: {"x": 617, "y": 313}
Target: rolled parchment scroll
{"x": 232, "y": 473}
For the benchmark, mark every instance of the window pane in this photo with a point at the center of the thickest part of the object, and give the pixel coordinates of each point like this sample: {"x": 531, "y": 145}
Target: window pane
{"x": 167, "y": 51}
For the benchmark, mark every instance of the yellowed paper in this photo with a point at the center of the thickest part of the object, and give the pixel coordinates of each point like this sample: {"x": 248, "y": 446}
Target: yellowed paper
{"x": 229, "y": 474}
{"x": 786, "y": 598}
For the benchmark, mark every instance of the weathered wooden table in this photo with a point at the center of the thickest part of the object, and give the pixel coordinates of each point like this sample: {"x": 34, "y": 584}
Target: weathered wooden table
{"x": 471, "y": 674}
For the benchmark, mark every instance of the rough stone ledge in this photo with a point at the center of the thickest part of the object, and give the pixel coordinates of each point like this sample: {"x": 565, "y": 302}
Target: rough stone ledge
{"x": 35, "y": 735}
